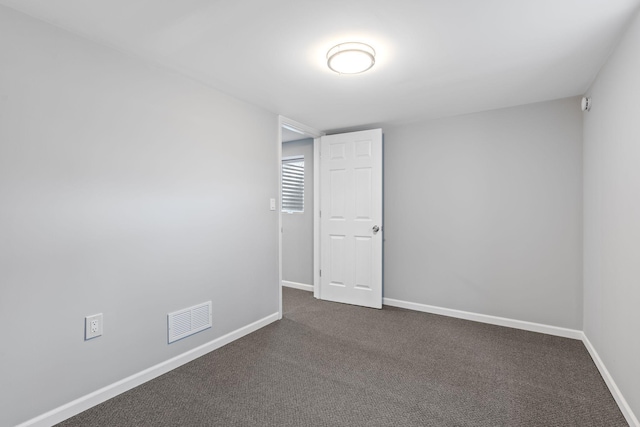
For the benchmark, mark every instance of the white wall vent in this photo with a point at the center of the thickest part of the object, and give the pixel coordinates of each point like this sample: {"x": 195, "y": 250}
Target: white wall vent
{"x": 188, "y": 321}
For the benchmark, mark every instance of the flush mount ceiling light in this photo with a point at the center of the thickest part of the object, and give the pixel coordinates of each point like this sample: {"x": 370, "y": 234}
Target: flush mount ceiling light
{"x": 351, "y": 58}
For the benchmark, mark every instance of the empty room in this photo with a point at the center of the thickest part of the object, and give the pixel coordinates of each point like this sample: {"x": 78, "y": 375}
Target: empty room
{"x": 305, "y": 213}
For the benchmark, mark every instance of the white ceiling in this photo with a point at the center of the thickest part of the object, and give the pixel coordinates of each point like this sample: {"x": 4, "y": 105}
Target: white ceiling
{"x": 434, "y": 58}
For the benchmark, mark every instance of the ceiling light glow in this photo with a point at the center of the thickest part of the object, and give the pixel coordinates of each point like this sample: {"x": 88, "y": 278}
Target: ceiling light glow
{"x": 351, "y": 58}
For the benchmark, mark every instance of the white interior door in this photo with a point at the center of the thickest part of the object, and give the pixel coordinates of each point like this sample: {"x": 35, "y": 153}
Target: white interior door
{"x": 351, "y": 218}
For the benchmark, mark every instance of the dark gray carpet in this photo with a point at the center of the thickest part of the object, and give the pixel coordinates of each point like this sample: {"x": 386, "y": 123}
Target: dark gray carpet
{"x": 327, "y": 364}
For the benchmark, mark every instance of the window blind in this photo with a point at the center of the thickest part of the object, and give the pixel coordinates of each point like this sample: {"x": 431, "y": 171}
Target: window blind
{"x": 293, "y": 185}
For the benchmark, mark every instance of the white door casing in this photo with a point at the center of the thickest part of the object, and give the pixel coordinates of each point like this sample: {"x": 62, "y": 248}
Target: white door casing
{"x": 351, "y": 211}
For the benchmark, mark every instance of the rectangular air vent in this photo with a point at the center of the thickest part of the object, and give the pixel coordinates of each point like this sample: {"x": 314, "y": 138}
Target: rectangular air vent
{"x": 188, "y": 321}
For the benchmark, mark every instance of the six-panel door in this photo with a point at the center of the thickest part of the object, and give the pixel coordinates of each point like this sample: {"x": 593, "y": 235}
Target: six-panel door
{"x": 351, "y": 208}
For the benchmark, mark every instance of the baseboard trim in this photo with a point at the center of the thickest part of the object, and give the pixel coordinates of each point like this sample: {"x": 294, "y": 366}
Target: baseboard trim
{"x": 484, "y": 318}
{"x": 297, "y": 285}
{"x": 92, "y": 399}
{"x": 613, "y": 388}
{"x": 533, "y": 327}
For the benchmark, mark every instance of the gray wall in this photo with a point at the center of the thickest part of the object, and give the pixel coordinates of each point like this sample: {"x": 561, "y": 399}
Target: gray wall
{"x": 297, "y": 228}
{"x": 483, "y": 213}
{"x": 612, "y": 216}
{"x": 126, "y": 190}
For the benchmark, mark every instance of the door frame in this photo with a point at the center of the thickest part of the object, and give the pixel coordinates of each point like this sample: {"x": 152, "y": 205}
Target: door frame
{"x": 305, "y": 131}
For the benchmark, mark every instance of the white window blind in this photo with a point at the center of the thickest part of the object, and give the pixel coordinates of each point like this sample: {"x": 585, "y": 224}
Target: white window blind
{"x": 293, "y": 185}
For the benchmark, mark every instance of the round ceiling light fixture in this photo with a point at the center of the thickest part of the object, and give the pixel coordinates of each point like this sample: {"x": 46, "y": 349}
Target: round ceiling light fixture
{"x": 351, "y": 58}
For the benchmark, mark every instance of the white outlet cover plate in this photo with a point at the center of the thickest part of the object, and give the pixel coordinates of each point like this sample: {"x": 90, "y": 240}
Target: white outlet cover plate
{"x": 92, "y": 332}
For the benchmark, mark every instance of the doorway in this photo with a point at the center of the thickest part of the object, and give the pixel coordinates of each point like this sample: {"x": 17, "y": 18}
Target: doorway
{"x": 351, "y": 239}
{"x": 297, "y": 212}
{"x": 297, "y": 146}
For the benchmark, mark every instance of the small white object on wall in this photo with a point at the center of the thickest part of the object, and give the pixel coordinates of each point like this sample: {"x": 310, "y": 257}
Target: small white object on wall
{"x": 92, "y": 326}
{"x": 188, "y": 321}
{"x": 586, "y": 103}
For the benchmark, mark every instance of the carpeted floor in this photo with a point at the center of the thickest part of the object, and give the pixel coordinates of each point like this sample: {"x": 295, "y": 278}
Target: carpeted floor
{"x": 328, "y": 364}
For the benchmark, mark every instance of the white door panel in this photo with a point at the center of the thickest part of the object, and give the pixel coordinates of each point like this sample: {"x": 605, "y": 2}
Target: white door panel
{"x": 351, "y": 205}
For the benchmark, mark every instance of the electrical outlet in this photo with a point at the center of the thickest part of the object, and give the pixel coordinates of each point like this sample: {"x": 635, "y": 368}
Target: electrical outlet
{"x": 92, "y": 326}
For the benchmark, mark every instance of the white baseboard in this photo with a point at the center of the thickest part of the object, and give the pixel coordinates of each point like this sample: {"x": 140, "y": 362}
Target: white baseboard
{"x": 297, "y": 285}
{"x": 533, "y": 327}
{"x": 484, "y": 318}
{"x": 92, "y": 399}
{"x": 613, "y": 388}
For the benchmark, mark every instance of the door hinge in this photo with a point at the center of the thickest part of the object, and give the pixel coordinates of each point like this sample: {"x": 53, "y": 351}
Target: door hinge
{"x": 320, "y": 273}
{"x": 320, "y": 214}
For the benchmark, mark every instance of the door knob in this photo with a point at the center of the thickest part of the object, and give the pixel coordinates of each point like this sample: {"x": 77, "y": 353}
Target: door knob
{"x": 376, "y": 228}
